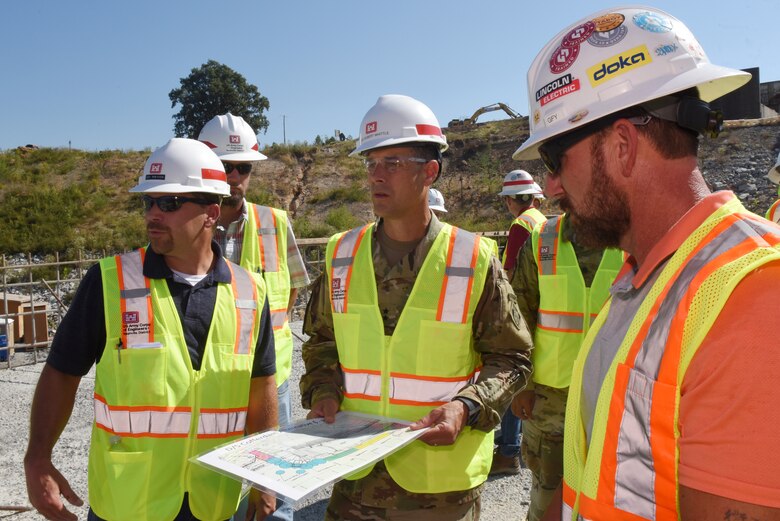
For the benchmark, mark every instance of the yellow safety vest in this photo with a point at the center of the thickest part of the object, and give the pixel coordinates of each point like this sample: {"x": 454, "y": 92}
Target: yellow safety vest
{"x": 528, "y": 220}
{"x": 567, "y": 306}
{"x": 153, "y": 411}
{"x": 264, "y": 251}
{"x": 628, "y": 467}
{"x": 428, "y": 359}
{"x": 773, "y": 214}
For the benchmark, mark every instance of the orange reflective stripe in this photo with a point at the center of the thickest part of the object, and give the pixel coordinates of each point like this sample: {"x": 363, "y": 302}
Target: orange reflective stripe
{"x": 142, "y": 421}
{"x": 221, "y": 423}
{"x": 341, "y": 267}
{"x": 563, "y": 321}
{"x": 245, "y": 294}
{"x": 268, "y": 243}
{"x": 278, "y": 318}
{"x": 455, "y": 295}
{"x": 135, "y": 299}
{"x": 407, "y": 389}
{"x": 362, "y": 384}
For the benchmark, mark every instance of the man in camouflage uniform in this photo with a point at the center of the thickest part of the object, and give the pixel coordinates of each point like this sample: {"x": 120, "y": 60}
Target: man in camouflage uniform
{"x": 542, "y": 407}
{"x": 402, "y": 244}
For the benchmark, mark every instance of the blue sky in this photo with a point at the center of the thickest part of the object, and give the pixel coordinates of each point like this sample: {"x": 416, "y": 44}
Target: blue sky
{"x": 98, "y": 73}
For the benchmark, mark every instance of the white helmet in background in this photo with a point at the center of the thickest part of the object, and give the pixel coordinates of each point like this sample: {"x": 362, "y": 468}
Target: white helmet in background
{"x": 613, "y": 60}
{"x": 231, "y": 138}
{"x": 774, "y": 172}
{"x": 183, "y": 166}
{"x": 396, "y": 120}
{"x": 436, "y": 200}
{"x": 520, "y": 182}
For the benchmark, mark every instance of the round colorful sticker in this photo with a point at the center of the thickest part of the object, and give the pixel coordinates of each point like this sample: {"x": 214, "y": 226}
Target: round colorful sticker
{"x": 578, "y": 35}
{"x": 608, "y": 22}
{"x": 653, "y": 22}
{"x": 562, "y": 58}
{"x": 607, "y": 38}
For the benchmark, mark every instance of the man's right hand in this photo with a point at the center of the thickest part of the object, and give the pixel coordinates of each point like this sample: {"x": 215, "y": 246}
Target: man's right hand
{"x": 45, "y": 484}
{"x": 523, "y": 404}
{"x": 325, "y": 408}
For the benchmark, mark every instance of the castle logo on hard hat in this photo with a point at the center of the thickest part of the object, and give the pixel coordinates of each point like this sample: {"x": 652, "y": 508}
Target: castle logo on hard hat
{"x": 613, "y": 67}
{"x": 235, "y": 139}
{"x": 155, "y": 172}
{"x": 371, "y": 127}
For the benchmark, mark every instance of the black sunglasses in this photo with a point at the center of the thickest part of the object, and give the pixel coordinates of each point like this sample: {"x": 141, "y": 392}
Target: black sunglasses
{"x": 171, "y": 203}
{"x": 243, "y": 168}
{"x": 552, "y": 151}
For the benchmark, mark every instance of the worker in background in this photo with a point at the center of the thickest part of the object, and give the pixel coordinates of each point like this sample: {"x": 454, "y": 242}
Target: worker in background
{"x": 672, "y": 409}
{"x": 436, "y": 201}
{"x": 261, "y": 240}
{"x": 560, "y": 285}
{"x": 522, "y": 196}
{"x": 185, "y": 360}
{"x": 773, "y": 214}
{"x": 413, "y": 319}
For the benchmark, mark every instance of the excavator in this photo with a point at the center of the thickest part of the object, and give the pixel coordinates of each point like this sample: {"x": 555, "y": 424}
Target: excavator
{"x": 487, "y": 108}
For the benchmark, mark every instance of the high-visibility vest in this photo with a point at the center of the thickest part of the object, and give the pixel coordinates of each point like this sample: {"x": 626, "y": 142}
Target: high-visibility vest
{"x": 567, "y": 306}
{"x": 264, "y": 251}
{"x": 528, "y": 220}
{"x": 628, "y": 467}
{"x": 773, "y": 214}
{"x": 153, "y": 411}
{"x": 428, "y": 359}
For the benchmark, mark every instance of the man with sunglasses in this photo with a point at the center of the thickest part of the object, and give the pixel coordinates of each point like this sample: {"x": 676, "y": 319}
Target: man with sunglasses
{"x": 413, "y": 319}
{"x": 672, "y": 409}
{"x": 184, "y": 355}
{"x": 260, "y": 239}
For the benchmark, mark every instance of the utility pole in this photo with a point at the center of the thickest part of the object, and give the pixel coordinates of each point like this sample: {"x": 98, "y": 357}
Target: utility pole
{"x": 284, "y": 129}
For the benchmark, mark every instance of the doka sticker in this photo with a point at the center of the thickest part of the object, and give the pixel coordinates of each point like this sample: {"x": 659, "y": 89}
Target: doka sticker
{"x": 613, "y": 67}
{"x": 563, "y": 58}
{"x": 653, "y": 22}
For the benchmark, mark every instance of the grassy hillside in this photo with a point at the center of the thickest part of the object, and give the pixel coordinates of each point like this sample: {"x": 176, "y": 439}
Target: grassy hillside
{"x": 70, "y": 200}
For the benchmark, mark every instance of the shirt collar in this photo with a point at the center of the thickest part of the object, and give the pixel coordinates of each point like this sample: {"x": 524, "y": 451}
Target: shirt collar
{"x": 155, "y": 267}
{"x": 676, "y": 235}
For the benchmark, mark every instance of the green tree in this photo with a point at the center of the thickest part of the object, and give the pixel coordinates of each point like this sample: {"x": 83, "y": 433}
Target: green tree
{"x": 213, "y": 89}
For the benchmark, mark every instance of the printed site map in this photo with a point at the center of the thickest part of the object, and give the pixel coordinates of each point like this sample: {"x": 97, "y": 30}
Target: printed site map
{"x": 311, "y": 454}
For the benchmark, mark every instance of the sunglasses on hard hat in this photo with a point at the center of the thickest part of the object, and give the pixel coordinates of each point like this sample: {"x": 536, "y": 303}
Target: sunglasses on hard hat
{"x": 552, "y": 151}
{"x": 243, "y": 168}
{"x": 171, "y": 203}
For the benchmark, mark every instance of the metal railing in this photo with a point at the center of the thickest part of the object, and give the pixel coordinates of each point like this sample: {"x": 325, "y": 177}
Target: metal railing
{"x": 34, "y": 293}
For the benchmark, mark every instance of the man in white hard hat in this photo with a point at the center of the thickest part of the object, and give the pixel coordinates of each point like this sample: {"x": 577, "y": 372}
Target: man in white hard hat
{"x": 260, "y": 239}
{"x": 773, "y": 213}
{"x": 436, "y": 201}
{"x": 413, "y": 319}
{"x": 522, "y": 196}
{"x": 171, "y": 380}
{"x": 672, "y": 409}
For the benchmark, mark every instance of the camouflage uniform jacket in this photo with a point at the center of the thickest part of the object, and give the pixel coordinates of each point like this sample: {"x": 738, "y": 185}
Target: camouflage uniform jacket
{"x": 525, "y": 277}
{"x": 500, "y": 335}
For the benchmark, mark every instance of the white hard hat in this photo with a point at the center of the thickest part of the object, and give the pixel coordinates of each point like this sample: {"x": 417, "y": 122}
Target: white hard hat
{"x": 182, "y": 166}
{"x": 395, "y": 120}
{"x": 613, "y": 60}
{"x": 231, "y": 138}
{"x": 774, "y": 172}
{"x": 519, "y": 182}
{"x": 436, "y": 200}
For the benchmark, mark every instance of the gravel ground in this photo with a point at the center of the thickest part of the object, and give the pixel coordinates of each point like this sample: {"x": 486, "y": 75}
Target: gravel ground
{"x": 505, "y": 498}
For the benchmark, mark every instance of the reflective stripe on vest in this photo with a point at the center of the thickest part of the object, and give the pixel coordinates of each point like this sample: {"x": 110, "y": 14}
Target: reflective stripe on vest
{"x": 405, "y": 389}
{"x": 341, "y": 267}
{"x": 266, "y": 232}
{"x": 151, "y": 422}
{"x": 632, "y": 470}
{"x": 135, "y": 300}
{"x": 246, "y": 304}
{"x": 560, "y": 321}
{"x": 548, "y": 245}
{"x": 219, "y": 423}
{"x": 773, "y": 214}
{"x": 278, "y": 318}
{"x": 458, "y": 277}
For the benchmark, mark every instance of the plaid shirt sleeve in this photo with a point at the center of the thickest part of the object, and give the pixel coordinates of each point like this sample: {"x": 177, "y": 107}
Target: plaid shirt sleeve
{"x": 299, "y": 278}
